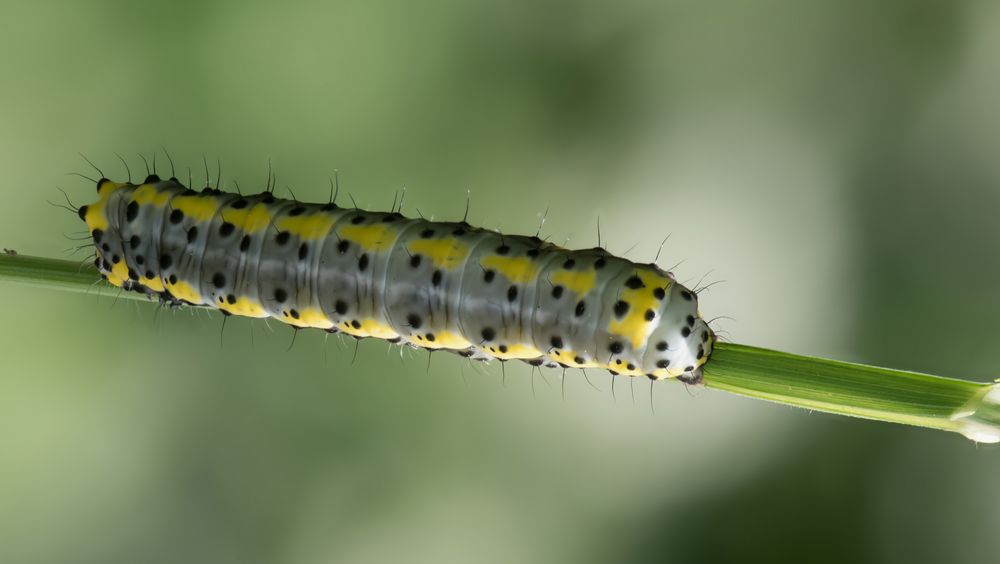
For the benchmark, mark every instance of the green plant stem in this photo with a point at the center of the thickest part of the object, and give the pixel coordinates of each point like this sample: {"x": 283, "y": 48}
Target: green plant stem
{"x": 857, "y": 390}
{"x": 56, "y": 274}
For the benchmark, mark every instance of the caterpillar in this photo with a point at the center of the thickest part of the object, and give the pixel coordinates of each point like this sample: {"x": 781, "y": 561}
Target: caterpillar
{"x": 433, "y": 285}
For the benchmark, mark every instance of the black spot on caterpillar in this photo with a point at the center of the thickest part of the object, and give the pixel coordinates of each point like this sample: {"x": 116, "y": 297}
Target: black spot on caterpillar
{"x": 435, "y": 285}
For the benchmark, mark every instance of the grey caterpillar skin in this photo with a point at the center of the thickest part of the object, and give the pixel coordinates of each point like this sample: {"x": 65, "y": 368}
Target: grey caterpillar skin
{"x": 435, "y": 285}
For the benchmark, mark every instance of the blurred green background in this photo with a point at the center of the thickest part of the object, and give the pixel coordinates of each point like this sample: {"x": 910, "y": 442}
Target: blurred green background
{"x": 834, "y": 163}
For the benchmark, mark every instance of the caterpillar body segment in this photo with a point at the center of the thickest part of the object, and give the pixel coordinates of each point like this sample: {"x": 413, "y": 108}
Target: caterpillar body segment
{"x": 435, "y": 285}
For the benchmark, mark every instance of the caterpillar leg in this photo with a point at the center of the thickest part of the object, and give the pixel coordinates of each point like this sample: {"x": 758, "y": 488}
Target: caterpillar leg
{"x": 694, "y": 378}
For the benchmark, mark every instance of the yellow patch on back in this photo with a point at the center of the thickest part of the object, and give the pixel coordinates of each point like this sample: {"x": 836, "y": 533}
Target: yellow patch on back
{"x": 96, "y": 217}
{"x": 308, "y": 227}
{"x": 444, "y": 340}
{"x": 244, "y": 306}
{"x": 577, "y": 282}
{"x": 623, "y": 370}
{"x": 702, "y": 360}
{"x": 516, "y": 269}
{"x": 118, "y": 274}
{"x": 147, "y": 194}
{"x": 568, "y": 358}
{"x": 154, "y": 284}
{"x": 634, "y": 327}
{"x": 184, "y": 291}
{"x": 106, "y": 188}
{"x": 517, "y": 351}
{"x": 309, "y": 317}
{"x": 198, "y": 208}
{"x": 376, "y": 237}
{"x": 250, "y": 220}
{"x": 562, "y": 355}
{"x": 444, "y": 253}
{"x": 370, "y": 328}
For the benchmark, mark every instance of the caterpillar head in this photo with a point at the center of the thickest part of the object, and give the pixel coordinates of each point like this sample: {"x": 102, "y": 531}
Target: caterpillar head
{"x": 682, "y": 343}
